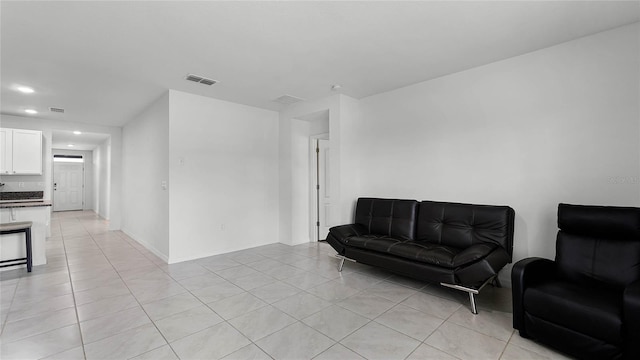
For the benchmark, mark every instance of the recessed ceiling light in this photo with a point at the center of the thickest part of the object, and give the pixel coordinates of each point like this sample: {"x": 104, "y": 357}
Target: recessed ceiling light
{"x": 25, "y": 89}
{"x": 70, "y": 145}
{"x": 77, "y": 132}
{"x": 30, "y": 111}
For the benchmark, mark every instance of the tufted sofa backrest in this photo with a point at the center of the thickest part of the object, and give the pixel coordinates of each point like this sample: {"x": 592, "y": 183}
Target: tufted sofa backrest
{"x": 388, "y": 217}
{"x": 598, "y": 244}
{"x": 463, "y": 225}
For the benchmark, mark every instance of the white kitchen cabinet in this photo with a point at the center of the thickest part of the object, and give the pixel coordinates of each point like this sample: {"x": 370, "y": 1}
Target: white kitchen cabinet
{"x": 6, "y": 151}
{"x": 20, "y": 152}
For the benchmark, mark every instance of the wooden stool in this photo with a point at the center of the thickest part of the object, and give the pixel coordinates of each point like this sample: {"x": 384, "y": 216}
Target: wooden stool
{"x": 18, "y": 227}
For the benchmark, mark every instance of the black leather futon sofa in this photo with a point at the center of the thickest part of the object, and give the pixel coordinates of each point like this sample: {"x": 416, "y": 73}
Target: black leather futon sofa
{"x": 462, "y": 246}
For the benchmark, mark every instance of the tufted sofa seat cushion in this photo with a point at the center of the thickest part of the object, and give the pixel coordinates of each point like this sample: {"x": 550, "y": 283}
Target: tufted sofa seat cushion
{"x": 424, "y": 252}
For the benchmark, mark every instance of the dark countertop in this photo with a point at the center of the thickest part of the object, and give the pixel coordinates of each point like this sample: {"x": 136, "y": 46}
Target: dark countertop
{"x": 23, "y": 204}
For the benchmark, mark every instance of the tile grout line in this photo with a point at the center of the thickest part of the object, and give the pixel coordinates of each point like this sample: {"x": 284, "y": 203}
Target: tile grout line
{"x": 13, "y": 297}
{"x": 505, "y": 347}
{"x": 469, "y": 328}
{"x": 190, "y": 293}
{"x": 271, "y": 304}
{"x": 439, "y": 326}
{"x": 373, "y": 320}
{"x": 227, "y": 320}
{"x": 90, "y": 234}
{"x": 73, "y": 293}
{"x": 395, "y": 305}
{"x": 131, "y": 293}
{"x": 335, "y": 342}
{"x": 249, "y": 292}
{"x": 332, "y": 303}
{"x": 224, "y": 320}
{"x": 136, "y": 299}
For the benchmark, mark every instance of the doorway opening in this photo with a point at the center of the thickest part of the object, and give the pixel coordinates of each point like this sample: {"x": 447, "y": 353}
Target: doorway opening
{"x": 321, "y": 186}
{"x": 68, "y": 182}
{"x": 95, "y": 149}
{"x": 312, "y": 189}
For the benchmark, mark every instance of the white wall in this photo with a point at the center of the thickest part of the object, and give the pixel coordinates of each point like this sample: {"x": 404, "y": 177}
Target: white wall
{"x": 223, "y": 176}
{"x": 103, "y": 183}
{"x": 88, "y": 174}
{"x": 97, "y": 169}
{"x": 300, "y": 132}
{"x": 112, "y": 153}
{"x": 345, "y": 137}
{"x": 319, "y": 126}
{"x": 145, "y": 164}
{"x": 556, "y": 125}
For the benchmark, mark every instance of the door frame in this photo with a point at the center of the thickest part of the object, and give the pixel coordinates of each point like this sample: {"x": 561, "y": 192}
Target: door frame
{"x": 313, "y": 191}
{"x": 53, "y": 179}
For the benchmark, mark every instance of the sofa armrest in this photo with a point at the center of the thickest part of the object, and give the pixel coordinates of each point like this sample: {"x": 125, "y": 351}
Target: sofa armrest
{"x": 339, "y": 234}
{"x": 472, "y": 253}
{"x": 343, "y": 232}
{"x": 523, "y": 274}
{"x": 631, "y": 320}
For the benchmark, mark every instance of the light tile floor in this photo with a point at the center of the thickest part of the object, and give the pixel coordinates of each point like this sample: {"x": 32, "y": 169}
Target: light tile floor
{"x": 104, "y": 296}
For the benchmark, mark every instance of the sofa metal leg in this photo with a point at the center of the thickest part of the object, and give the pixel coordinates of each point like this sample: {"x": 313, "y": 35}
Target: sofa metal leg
{"x": 342, "y": 259}
{"x": 474, "y": 309}
{"x": 471, "y": 291}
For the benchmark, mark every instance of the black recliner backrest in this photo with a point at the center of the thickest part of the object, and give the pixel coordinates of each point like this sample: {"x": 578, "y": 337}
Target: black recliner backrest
{"x": 598, "y": 244}
{"x": 390, "y": 217}
{"x": 463, "y": 225}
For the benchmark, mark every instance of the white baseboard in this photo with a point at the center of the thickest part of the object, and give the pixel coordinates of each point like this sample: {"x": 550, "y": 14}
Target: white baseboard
{"x": 226, "y": 251}
{"x": 148, "y": 246}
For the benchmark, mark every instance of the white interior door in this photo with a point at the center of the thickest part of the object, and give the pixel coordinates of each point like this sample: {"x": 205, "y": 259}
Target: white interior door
{"x": 324, "y": 198}
{"x": 68, "y": 186}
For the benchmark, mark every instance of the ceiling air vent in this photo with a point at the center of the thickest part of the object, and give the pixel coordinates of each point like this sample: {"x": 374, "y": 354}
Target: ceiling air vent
{"x": 200, "y": 79}
{"x": 288, "y": 99}
{"x": 58, "y": 110}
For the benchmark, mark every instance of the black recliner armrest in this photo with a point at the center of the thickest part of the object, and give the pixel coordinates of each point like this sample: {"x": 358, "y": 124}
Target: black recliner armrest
{"x": 631, "y": 319}
{"x": 523, "y": 274}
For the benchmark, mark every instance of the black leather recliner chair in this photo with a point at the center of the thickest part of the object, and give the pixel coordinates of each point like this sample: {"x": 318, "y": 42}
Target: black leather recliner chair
{"x": 586, "y": 303}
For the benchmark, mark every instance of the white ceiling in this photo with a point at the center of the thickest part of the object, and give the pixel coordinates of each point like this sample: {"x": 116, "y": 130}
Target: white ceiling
{"x": 104, "y": 62}
{"x": 85, "y": 141}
